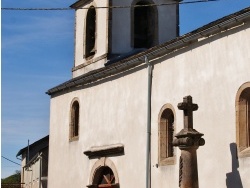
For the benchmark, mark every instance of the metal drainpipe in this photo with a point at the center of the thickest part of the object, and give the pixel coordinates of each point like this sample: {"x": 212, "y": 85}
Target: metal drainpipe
{"x": 40, "y": 173}
{"x": 28, "y": 157}
{"x": 148, "y": 150}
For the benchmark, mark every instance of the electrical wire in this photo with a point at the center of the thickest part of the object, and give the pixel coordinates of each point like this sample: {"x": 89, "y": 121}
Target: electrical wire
{"x": 112, "y": 7}
{"x": 10, "y": 160}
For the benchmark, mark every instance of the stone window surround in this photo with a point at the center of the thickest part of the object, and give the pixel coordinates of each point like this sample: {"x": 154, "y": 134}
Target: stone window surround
{"x": 245, "y": 152}
{"x": 71, "y": 136}
{"x": 169, "y": 160}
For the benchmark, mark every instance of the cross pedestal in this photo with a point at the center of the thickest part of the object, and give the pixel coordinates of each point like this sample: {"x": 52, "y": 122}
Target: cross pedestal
{"x": 188, "y": 140}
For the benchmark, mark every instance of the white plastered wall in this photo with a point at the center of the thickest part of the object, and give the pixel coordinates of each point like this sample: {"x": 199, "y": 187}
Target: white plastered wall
{"x": 106, "y": 118}
{"x": 212, "y": 74}
{"x": 114, "y": 111}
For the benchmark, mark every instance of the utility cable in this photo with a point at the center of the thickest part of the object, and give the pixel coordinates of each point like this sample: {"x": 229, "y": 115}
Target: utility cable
{"x": 10, "y": 160}
{"x": 113, "y": 7}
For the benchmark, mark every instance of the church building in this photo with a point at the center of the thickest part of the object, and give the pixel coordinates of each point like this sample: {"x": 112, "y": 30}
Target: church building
{"x": 113, "y": 124}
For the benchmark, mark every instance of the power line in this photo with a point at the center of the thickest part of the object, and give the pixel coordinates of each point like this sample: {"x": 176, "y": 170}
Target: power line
{"x": 112, "y": 7}
{"x": 37, "y": 9}
{"x": 10, "y": 160}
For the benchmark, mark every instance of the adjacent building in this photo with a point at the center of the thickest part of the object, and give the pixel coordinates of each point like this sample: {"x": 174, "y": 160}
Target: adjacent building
{"x": 34, "y": 170}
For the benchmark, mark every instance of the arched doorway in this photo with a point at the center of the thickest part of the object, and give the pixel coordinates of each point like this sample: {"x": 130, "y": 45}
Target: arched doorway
{"x": 104, "y": 177}
{"x": 104, "y": 174}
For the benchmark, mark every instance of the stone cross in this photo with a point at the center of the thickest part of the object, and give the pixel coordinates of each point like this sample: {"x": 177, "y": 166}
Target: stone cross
{"x": 188, "y": 107}
{"x": 188, "y": 140}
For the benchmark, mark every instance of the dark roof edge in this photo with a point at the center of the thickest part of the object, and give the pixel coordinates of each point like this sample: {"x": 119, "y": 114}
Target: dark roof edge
{"x": 31, "y": 145}
{"x": 212, "y": 28}
{"x": 78, "y": 4}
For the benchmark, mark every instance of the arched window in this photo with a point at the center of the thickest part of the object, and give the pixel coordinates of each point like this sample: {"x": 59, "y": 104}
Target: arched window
{"x": 145, "y": 25}
{"x": 90, "y": 33}
{"x": 74, "y": 124}
{"x": 166, "y": 135}
{"x": 243, "y": 117}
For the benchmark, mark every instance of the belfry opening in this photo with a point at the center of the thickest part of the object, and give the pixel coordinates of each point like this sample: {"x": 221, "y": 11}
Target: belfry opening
{"x": 145, "y": 27}
{"x": 90, "y": 33}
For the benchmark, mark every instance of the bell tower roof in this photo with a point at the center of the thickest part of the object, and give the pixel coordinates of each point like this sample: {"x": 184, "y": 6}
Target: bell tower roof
{"x": 79, "y": 3}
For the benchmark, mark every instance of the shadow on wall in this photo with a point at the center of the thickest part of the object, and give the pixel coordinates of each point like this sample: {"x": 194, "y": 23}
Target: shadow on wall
{"x": 233, "y": 179}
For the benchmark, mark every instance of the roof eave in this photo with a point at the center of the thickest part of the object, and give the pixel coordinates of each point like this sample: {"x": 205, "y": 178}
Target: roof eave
{"x": 212, "y": 28}
{"x": 21, "y": 151}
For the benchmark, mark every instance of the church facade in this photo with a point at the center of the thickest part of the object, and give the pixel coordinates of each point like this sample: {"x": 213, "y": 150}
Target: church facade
{"x": 113, "y": 124}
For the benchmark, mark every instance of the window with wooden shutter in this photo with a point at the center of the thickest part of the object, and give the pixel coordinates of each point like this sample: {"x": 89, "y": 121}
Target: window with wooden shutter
{"x": 243, "y": 119}
{"x": 166, "y": 135}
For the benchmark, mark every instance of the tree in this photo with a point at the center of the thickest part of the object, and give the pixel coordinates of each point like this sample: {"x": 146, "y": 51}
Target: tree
{"x": 15, "y": 178}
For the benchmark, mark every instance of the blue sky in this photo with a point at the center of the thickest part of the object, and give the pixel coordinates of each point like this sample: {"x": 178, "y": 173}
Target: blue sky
{"x": 37, "y": 54}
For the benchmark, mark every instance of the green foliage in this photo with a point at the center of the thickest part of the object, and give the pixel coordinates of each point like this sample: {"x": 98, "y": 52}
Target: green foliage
{"x": 15, "y": 178}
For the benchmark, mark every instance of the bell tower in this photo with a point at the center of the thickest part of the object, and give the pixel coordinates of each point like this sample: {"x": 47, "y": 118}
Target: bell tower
{"x": 108, "y": 30}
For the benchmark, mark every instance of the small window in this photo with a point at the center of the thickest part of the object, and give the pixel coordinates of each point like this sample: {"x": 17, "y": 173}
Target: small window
{"x": 74, "y": 124}
{"x": 144, "y": 25}
{"x": 90, "y": 33}
{"x": 243, "y": 118}
{"x": 166, "y": 135}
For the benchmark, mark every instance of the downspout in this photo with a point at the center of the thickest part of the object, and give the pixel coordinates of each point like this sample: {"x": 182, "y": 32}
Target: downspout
{"x": 28, "y": 157}
{"x": 40, "y": 173}
{"x": 148, "y": 149}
